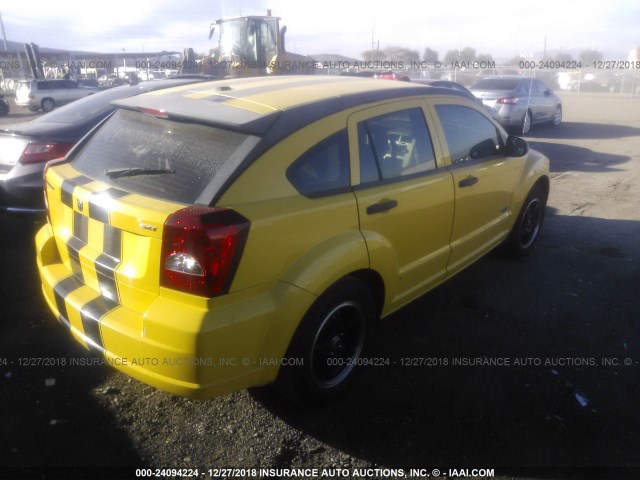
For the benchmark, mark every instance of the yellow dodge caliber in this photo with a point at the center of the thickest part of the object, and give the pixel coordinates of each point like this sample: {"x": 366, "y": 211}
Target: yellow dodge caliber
{"x": 213, "y": 237}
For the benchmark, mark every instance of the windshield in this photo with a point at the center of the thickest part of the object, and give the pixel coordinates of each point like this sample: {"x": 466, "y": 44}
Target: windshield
{"x": 497, "y": 84}
{"x": 157, "y": 157}
{"x": 252, "y": 40}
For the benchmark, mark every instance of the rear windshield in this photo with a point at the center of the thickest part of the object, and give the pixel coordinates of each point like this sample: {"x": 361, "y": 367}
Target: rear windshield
{"x": 181, "y": 158}
{"x": 497, "y": 84}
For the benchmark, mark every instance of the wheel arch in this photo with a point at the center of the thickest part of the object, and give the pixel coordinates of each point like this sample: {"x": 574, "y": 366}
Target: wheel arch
{"x": 534, "y": 171}
{"x": 374, "y": 282}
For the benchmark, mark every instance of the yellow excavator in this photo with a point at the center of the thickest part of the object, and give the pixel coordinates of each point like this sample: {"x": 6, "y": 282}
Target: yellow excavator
{"x": 247, "y": 47}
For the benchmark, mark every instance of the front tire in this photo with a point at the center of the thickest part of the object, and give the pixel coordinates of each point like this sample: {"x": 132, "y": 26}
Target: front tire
{"x": 329, "y": 342}
{"x": 524, "y": 235}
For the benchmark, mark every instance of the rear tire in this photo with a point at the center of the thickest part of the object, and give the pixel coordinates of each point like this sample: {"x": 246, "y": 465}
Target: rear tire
{"x": 330, "y": 341}
{"x": 48, "y": 104}
{"x": 526, "y": 123}
{"x": 556, "y": 120}
{"x": 524, "y": 235}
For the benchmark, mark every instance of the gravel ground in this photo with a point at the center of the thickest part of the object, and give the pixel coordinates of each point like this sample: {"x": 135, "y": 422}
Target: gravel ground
{"x": 565, "y": 319}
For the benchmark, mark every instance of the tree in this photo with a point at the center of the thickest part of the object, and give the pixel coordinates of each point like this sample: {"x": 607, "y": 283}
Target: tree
{"x": 451, "y": 56}
{"x": 371, "y": 56}
{"x": 468, "y": 54}
{"x": 401, "y": 54}
{"x": 429, "y": 55}
{"x": 563, "y": 57}
{"x": 590, "y": 56}
{"x": 484, "y": 57}
{"x": 514, "y": 62}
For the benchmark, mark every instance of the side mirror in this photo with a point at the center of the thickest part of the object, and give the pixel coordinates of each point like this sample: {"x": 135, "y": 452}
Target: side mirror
{"x": 516, "y": 147}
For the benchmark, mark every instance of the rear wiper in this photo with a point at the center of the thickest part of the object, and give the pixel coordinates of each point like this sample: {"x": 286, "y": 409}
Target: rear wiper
{"x": 132, "y": 172}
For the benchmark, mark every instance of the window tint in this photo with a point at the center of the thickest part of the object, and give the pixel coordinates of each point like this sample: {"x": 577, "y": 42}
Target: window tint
{"x": 523, "y": 89}
{"x": 394, "y": 145}
{"x": 324, "y": 168}
{"x": 191, "y": 154}
{"x": 541, "y": 87}
{"x": 470, "y": 135}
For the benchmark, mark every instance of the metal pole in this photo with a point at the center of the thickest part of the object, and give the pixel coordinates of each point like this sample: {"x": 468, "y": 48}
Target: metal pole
{"x": 4, "y": 35}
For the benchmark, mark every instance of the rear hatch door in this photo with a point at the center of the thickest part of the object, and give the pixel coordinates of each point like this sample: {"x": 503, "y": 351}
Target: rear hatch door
{"x": 109, "y": 204}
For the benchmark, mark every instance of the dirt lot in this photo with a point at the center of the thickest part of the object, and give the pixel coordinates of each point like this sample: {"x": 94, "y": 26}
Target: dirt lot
{"x": 564, "y": 323}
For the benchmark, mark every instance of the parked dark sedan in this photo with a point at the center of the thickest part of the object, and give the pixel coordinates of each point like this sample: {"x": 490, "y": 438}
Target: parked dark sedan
{"x": 26, "y": 147}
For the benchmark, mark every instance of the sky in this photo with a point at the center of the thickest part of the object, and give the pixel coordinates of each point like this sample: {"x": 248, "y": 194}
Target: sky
{"x": 501, "y": 28}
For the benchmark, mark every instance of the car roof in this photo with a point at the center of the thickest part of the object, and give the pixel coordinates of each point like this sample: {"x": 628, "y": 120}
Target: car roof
{"x": 509, "y": 77}
{"x": 252, "y": 105}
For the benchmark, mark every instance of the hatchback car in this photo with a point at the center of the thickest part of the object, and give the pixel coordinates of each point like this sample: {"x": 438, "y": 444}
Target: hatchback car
{"x": 230, "y": 234}
{"x": 26, "y": 147}
{"x": 48, "y": 94}
{"x": 519, "y": 102}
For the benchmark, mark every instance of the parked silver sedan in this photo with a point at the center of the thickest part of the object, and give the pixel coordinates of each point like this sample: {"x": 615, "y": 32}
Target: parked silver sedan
{"x": 519, "y": 102}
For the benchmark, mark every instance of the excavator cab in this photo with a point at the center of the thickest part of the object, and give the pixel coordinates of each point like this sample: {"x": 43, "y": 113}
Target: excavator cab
{"x": 249, "y": 42}
{"x": 252, "y": 46}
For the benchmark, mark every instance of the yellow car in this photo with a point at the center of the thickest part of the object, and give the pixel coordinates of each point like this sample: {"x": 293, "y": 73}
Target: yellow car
{"x": 214, "y": 237}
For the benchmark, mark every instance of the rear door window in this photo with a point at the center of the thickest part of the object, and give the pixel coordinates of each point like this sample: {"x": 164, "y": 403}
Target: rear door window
{"x": 323, "y": 169}
{"x": 157, "y": 157}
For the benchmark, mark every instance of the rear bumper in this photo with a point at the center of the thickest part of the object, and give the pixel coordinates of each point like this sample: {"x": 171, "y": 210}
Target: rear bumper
{"x": 21, "y": 190}
{"x": 234, "y": 342}
{"x": 24, "y": 103}
{"x": 510, "y": 116}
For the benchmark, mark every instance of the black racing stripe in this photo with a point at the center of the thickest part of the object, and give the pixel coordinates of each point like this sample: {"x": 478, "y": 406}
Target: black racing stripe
{"x": 269, "y": 87}
{"x": 66, "y": 191}
{"x": 77, "y": 242}
{"x": 81, "y": 227}
{"x": 100, "y": 213}
{"x": 91, "y": 314}
{"x": 107, "y": 262}
{"x": 61, "y": 290}
{"x": 73, "y": 247}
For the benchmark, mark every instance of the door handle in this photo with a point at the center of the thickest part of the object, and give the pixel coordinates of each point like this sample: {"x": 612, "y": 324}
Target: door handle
{"x": 467, "y": 182}
{"x": 381, "y": 206}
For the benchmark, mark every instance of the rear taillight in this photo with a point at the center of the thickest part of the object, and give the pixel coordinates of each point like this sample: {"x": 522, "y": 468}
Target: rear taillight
{"x": 508, "y": 100}
{"x": 43, "y": 152}
{"x": 201, "y": 249}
